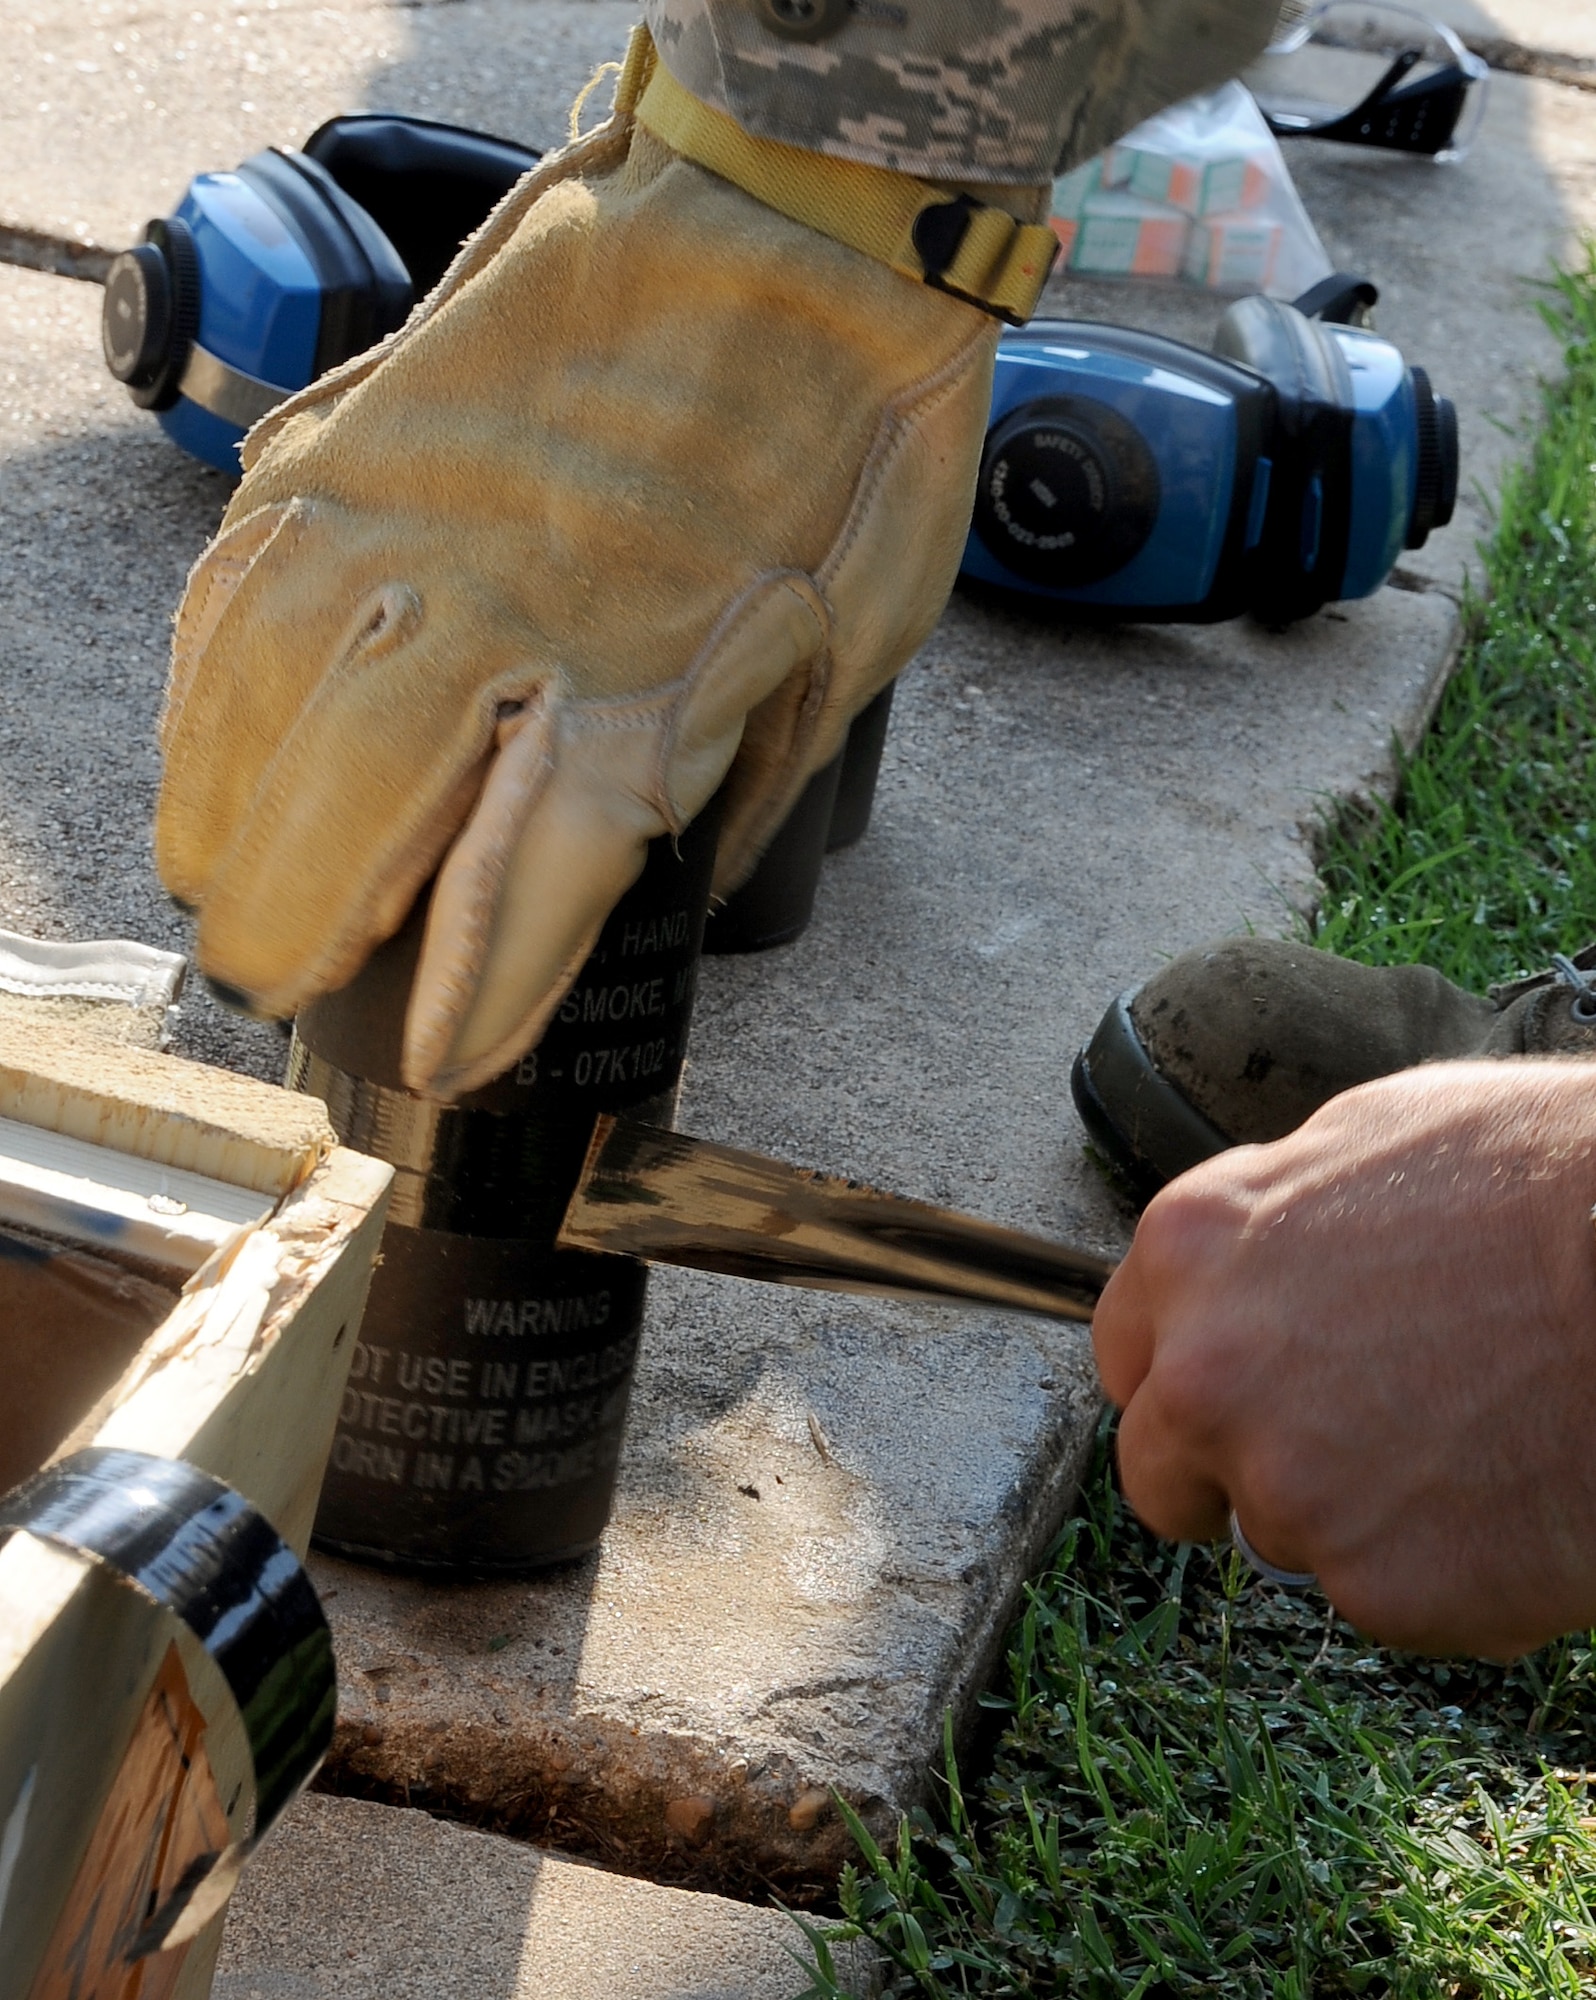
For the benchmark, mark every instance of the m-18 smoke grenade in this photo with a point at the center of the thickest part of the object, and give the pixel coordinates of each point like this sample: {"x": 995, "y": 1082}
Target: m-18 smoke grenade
{"x": 487, "y": 1398}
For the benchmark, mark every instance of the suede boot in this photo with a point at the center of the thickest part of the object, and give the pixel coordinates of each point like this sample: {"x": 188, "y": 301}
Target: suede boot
{"x": 1240, "y": 1042}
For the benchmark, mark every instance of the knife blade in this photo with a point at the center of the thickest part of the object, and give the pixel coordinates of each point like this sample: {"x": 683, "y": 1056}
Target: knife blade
{"x": 668, "y": 1198}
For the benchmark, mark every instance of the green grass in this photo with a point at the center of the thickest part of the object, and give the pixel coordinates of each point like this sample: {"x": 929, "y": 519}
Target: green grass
{"x": 1202, "y": 1786}
{"x": 1487, "y": 865}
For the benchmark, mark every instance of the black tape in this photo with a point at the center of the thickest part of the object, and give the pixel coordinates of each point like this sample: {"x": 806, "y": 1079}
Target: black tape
{"x": 202, "y": 1552}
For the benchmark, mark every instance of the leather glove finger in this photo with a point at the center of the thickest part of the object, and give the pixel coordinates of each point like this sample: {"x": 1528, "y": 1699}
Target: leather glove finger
{"x": 298, "y": 856}
{"x": 574, "y": 795}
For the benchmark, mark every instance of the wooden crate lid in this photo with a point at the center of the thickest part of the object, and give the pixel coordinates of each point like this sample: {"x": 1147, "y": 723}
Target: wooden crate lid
{"x": 159, "y": 1107}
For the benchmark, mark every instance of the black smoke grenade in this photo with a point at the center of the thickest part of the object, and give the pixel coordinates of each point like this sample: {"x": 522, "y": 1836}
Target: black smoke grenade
{"x": 861, "y": 766}
{"x": 776, "y": 902}
{"x": 482, "y": 1426}
{"x": 774, "y": 906}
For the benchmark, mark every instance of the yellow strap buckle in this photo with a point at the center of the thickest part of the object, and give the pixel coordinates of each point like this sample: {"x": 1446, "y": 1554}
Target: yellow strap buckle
{"x": 980, "y": 254}
{"x": 983, "y": 255}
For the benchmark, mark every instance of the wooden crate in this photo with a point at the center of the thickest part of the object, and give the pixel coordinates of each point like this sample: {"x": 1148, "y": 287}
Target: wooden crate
{"x": 121, "y": 1749}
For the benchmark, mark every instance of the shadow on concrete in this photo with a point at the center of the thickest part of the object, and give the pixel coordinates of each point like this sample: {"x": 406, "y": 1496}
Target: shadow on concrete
{"x": 99, "y": 521}
{"x": 1461, "y": 305}
{"x": 100, "y": 525}
{"x": 1457, "y": 302}
{"x": 347, "y": 1903}
{"x": 509, "y": 67}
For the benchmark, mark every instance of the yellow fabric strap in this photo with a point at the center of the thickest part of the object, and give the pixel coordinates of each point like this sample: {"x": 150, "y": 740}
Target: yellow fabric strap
{"x": 980, "y": 254}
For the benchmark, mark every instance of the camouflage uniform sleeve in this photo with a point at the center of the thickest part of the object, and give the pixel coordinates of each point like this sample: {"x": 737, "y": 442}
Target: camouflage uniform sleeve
{"x": 979, "y": 91}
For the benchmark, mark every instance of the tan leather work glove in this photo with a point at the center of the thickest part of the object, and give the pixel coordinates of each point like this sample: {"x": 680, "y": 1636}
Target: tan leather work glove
{"x": 660, "y": 483}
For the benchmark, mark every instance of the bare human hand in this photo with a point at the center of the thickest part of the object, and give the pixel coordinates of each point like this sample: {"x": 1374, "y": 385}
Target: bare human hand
{"x": 1376, "y": 1340}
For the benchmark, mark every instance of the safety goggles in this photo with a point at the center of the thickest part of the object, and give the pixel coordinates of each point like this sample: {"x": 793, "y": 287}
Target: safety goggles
{"x": 1413, "y": 86}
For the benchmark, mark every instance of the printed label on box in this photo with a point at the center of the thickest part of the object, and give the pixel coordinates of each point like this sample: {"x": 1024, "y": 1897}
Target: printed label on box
{"x": 1070, "y": 190}
{"x": 1123, "y": 236}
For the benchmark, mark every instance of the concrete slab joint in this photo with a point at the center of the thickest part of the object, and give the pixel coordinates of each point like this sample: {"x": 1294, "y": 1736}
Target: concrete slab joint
{"x": 392, "y": 1903}
{"x": 762, "y": 1623}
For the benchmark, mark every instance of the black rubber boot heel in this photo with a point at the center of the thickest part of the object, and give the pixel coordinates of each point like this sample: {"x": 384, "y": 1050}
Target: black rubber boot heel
{"x": 1148, "y": 1132}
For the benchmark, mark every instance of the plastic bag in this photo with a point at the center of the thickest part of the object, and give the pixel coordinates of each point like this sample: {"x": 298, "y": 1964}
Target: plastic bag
{"x": 1200, "y": 194}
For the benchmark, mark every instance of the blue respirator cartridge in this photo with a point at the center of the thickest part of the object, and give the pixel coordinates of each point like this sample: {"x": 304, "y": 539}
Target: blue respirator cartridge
{"x": 1133, "y": 477}
{"x": 266, "y": 277}
{"x": 1125, "y": 476}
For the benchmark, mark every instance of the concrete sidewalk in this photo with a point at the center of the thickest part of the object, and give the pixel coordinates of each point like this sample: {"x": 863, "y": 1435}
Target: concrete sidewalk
{"x": 827, "y": 1507}
{"x": 106, "y": 111}
{"x": 1548, "y": 29}
{"x": 443, "y": 1911}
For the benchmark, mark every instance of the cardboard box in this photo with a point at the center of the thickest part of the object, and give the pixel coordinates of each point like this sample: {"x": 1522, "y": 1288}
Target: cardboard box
{"x": 1121, "y": 235}
{"x": 1197, "y": 187}
{"x": 1232, "y": 253}
{"x": 1070, "y": 191}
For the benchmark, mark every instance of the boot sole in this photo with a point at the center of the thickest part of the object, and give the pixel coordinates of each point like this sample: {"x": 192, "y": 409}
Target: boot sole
{"x": 1146, "y": 1129}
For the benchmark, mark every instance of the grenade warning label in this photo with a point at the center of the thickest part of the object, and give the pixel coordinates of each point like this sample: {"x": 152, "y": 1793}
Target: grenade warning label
{"x": 517, "y": 1319}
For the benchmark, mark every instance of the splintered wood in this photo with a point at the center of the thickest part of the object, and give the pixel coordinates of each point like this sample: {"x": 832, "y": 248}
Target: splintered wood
{"x": 184, "y": 1257}
{"x": 156, "y": 1107}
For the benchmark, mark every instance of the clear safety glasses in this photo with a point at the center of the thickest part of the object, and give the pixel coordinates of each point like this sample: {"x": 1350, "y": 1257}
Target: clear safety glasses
{"x": 1371, "y": 75}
